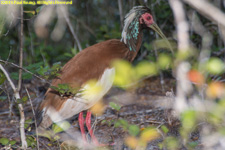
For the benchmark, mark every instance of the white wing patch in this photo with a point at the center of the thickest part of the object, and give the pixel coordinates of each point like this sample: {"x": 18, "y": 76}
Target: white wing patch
{"x": 83, "y": 101}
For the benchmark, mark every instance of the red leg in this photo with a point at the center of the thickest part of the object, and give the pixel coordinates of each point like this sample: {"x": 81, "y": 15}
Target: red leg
{"x": 81, "y": 124}
{"x": 88, "y": 124}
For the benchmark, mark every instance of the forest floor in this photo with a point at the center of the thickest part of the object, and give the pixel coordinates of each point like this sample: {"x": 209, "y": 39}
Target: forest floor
{"x": 146, "y": 105}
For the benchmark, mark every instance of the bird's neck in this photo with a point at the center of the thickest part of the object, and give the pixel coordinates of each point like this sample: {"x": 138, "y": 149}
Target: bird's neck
{"x": 132, "y": 36}
{"x": 132, "y": 54}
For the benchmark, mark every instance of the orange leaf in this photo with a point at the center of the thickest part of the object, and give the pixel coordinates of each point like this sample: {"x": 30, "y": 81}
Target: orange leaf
{"x": 196, "y": 77}
{"x": 131, "y": 142}
{"x": 215, "y": 90}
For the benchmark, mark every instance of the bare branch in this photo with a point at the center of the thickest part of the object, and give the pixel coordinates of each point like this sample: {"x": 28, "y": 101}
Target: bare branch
{"x": 15, "y": 65}
{"x": 22, "y": 117}
{"x": 207, "y": 9}
{"x": 71, "y": 27}
{"x": 206, "y": 38}
{"x": 182, "y": 25}
{"x": 21, "y": 48}
{"x": 183, "y": 84}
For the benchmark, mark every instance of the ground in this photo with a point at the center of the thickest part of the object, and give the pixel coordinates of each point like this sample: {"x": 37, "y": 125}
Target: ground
{"x": 145, "y": 104}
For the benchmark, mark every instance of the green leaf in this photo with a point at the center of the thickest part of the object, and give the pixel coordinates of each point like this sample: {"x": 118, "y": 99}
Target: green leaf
{"x": 19, "y": 101}
{"x": 4, "y": 141}
{"x": 134, "y": 130}
{"x": 25, "y": 98}
{"x": 193, "y": 144}
{"x": 3, "y": 98}
{"x": 28, "y": 123}
{"x": 171, "y": 143}
{"x": 31, "y": 142}
{"x": 2, "y": 78}
{"x": 38, "y": 9}
{"x": 54, "y": 88}
{"x": 64, "y": 86}
{"x": 164, "y": 129}
{"x": 114, "y": 106}
{"x": 12, "y": 142}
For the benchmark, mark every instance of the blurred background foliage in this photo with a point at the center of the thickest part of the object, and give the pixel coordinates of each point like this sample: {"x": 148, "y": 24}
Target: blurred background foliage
{"x": 99, "y": 20}
{"x": 92, "y": 22}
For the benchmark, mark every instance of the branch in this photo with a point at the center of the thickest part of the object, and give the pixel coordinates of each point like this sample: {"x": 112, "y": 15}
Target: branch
{"x": 21, "y": 49}
{"x": 15, "y": 65}
{"x": 22, "y": 117}
{"x": 71, "y": 28}
{"x": 205, "y": 8}
{"x": 35, "y": 121}
{"x": 182, "y": 25}
{"x": 121, "y": 13}
{"x": 84, "y": 25}
{"x": 183, "y": 84}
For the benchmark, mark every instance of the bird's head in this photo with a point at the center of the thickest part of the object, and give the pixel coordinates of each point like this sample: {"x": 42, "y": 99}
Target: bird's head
{"x": 137, "y": 19}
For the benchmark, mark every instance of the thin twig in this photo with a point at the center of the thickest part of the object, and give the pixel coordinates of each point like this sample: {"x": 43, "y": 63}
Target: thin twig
{"x": 22, "y": 117}
{"x": 9, "y": 53}
{"x": 35, "y": 121}
{"x": 121, "y": 13}
{"x": 15, "y": 65}
{"x": 71, "y": 28}
{"x": 83, "y": 24}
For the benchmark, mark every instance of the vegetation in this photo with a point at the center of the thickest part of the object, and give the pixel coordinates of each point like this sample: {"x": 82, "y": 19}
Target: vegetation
{"x": 197, "y": 65}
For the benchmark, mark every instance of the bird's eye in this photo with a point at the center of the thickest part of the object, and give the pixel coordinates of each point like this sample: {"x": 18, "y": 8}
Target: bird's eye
{"x": 148, "y": 18}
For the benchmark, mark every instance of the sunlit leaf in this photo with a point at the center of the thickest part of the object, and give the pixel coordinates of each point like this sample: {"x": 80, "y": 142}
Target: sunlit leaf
{"x": 145, "y": 68}
{"x": 98, "y": 108}
{"x": 164, "y": 61}
{"x": 61, "y": 126}
{"x": 215, "y": 66}
{"x": 124, "y": 73}
{"x": 149, "y": 134}
{"x": 215, "y": 89}
{"x": 131, "y": 142}
{"x": 188, "y": 119}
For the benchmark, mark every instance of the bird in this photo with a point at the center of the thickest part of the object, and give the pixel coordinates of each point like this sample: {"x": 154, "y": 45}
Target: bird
{"x": 93, "y": 63}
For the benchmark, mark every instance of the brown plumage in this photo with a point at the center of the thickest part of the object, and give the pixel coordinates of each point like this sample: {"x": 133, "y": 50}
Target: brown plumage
{"x": 81, "y": 69}
{"x": 93, "y": 62}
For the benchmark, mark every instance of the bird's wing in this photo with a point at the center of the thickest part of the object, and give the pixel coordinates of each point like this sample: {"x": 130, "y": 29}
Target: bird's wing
{"x": 89, "y": 64}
